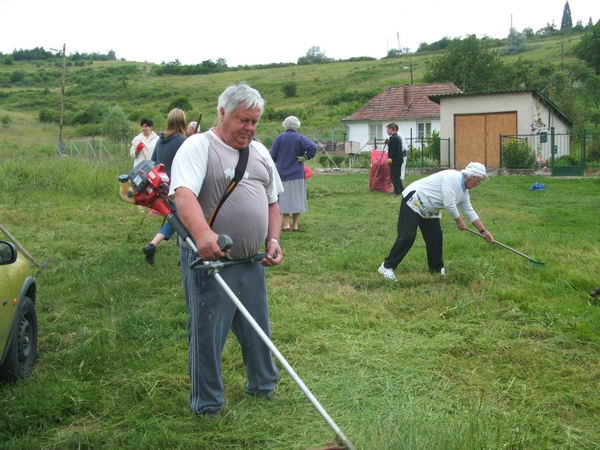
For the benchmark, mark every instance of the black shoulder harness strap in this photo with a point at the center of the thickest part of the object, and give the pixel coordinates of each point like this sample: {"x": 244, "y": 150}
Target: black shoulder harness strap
{"x": 240, "y": 169}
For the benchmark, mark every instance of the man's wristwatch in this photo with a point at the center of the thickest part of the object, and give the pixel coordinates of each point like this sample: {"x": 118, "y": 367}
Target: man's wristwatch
{"x": 482, "y": 231}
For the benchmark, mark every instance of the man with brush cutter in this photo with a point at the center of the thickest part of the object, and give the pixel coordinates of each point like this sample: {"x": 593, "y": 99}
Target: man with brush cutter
{"x": 203, "y": 171}
{"x": 420, "y": 208}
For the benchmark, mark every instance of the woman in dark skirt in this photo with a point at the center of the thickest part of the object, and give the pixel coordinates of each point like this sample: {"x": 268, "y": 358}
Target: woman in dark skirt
{"x": 288, "y": 149}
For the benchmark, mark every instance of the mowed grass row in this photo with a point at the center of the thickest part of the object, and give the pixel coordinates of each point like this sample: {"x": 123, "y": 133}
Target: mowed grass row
{"x": 496, "y": 354}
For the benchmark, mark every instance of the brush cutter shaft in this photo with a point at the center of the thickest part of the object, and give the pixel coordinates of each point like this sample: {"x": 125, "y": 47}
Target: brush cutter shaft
{"x": 506, "y": 247}
{"x": 238, "y": 304}
{"x": 283, "y": 361}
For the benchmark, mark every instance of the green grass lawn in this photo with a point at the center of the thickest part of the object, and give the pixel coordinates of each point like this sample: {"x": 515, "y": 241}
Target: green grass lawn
{"x": 494, "y": 355}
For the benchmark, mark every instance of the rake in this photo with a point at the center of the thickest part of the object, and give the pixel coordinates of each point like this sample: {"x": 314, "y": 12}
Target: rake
{"x": 534, "y": 262}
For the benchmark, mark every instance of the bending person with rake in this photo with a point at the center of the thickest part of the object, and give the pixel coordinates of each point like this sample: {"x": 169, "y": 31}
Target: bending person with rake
{"x": 202, "y": 170}
{"x": 420, "y": 208}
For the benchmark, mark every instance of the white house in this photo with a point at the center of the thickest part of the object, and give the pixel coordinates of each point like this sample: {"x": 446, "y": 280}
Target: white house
{"x": 474, "y": 123}
{"x": 408, "y": 105}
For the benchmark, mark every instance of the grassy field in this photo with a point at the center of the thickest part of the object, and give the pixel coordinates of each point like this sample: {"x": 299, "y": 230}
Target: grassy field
{"x": 494, "y": 355}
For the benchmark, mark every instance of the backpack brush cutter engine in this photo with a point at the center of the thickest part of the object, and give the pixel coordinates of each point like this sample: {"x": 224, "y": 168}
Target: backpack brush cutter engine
{"x": 147, "y": 184}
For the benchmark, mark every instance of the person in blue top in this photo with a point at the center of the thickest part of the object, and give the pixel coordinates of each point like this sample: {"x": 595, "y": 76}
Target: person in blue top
{"x": 164, "y": 152}
{"x": 288, "y": 151}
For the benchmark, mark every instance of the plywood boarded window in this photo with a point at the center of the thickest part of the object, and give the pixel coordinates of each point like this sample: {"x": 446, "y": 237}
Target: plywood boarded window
{"x": 477, "y": 137}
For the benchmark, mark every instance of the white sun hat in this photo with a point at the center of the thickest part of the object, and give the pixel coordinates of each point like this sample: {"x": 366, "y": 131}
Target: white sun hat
{"x": 475, "y": 169}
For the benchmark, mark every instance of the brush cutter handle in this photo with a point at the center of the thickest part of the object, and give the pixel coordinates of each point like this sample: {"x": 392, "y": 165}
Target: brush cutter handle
{"x": 222, "y": 263}
{"x": 507, "y": 248}
{"x": 223, "y": 241}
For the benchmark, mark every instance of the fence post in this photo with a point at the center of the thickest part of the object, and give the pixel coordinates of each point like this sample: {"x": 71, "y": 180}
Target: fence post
{"x": 583, "y": 145}
{"x": 501, "y": 149}
{"x": 552, "y": 149}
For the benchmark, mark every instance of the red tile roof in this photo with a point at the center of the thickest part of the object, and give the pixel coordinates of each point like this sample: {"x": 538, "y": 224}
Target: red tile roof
{"x": 409, "y": 101}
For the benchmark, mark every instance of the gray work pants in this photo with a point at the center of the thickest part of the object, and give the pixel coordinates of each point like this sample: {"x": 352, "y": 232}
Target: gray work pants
{"x": 211, "y": 315}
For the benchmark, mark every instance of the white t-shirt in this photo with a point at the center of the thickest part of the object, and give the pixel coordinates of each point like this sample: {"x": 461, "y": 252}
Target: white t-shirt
{"x": 442, "y": 190}
{"x": 205, "y": 165}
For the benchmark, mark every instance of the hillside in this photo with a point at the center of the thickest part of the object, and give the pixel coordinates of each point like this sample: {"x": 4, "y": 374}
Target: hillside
{"x": 326, "y": 93}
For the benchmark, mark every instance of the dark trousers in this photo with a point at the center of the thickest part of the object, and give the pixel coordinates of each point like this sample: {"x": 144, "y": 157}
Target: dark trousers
{"x": 395, "y": 171}
{"x": 408, "y": 222}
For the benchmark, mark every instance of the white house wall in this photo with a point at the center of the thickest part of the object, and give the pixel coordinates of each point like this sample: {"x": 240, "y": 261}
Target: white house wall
{"x": 549, "y": 118}
{"x": 524, "y": 103}
{"x": 359, "y": 131}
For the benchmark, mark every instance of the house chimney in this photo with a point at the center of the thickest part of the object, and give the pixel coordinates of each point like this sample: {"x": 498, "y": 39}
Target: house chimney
{"x": 406, "y": 96}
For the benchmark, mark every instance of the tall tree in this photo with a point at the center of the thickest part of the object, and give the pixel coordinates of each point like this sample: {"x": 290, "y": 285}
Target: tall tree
{"x": 314, "y": 55}
{"x": 515, "y": 43}
{"x": 566, "y": 24}
{"x": 588, "y": 48}
{"x": 470, "y": 65}
{"x": 116, "y": 126}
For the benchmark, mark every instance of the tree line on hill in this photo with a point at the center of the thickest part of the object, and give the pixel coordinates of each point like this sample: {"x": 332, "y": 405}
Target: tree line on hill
{"x": 314, "y": 55}
{"x": 575, "y": 86}
{"x": 527, "y": 34}
{"x": 40, "y": 54}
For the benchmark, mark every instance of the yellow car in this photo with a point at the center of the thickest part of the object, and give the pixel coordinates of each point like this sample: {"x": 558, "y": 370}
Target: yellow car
{"x": 18, "y": 320}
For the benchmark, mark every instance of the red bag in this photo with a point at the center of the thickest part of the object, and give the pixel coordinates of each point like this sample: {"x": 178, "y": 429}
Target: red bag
{"x": 379, "y": 179}
{"x": 140, "y": 146}
{"x": 307, "y": 172}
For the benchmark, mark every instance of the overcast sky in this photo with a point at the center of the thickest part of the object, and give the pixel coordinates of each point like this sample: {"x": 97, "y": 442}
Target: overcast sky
{"x": 265, "y": 31}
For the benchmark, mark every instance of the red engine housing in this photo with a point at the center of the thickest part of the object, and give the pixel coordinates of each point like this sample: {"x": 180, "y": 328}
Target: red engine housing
{"x": 151, "y": 186}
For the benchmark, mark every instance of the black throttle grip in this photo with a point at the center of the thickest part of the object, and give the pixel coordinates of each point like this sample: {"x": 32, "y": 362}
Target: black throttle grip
{"x": 224, "y": 242}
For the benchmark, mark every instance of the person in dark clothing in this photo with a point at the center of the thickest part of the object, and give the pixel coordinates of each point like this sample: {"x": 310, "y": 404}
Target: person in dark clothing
{"x": 164, "y": 152}
{"x": 396, "y": 157}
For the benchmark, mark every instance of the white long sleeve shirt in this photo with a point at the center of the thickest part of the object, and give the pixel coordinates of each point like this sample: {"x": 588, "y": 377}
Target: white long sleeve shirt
{"x": 146, "y": 152}
{"x": 442, "y": 190}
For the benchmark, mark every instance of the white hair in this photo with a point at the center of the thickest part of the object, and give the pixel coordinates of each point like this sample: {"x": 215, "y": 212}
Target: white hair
{"x": 192, "y": 125}
{"x": 291, "y": 122}
{"x": 230, "y": 99}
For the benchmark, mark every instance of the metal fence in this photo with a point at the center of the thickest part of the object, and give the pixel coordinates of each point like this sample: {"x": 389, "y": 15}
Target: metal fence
{"x": 562, "y": 153}
{"x": 92, "y": 149}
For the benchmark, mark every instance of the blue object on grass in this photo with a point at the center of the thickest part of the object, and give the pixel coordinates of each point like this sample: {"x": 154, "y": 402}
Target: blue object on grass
{"x": 536, "y": 187}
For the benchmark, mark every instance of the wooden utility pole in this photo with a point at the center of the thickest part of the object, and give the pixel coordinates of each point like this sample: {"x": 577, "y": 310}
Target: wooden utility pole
{"x": 61, "y": 144}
